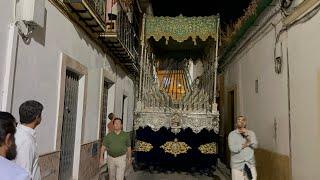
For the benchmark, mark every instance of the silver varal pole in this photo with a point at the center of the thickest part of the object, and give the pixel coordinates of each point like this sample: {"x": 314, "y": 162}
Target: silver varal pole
{"x": 216, "y": 61}
{"x": 142, "y": 55}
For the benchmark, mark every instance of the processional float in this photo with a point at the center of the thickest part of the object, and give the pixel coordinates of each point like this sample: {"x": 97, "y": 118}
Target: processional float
{"x": 176, "y": 118}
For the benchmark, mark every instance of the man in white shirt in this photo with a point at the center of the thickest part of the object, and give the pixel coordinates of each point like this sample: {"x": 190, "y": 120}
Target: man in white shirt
{"x": 27, "y": 155}
{"x": 242, "y": 143}
{"x": 8, "y": 169}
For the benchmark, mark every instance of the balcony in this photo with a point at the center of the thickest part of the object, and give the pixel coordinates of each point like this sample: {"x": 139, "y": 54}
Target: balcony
{"x": 121, "y": 39}
{"x": 91, "y": 13}
{"x": 108, "y": 21}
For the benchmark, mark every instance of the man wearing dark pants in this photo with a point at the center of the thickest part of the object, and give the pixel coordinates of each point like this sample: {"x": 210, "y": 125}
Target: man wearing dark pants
{"x": 118, "y": 146}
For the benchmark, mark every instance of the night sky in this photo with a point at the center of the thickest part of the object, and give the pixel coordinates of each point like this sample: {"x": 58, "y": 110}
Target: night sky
{"x": 229, "y": 10}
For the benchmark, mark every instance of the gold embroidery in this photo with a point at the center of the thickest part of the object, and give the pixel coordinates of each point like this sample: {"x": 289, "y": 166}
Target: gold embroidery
{"x": 180, "y": 28}
{"x": 209, "y": 148}
{"x": 143, "y": 146}
{"x": 175, "y": 147}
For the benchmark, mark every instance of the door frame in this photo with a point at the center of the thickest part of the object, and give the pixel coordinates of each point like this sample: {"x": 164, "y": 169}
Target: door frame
{"x": 229, "y": 121}
{"x": 110, "y": 78}
{"x": 66, "y": 63}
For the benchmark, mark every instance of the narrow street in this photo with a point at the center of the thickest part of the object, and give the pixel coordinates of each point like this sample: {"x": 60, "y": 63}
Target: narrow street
{"x": 196, "y": 89}
{"x": 222, "y": 173}
{"x": 170, "y": 176}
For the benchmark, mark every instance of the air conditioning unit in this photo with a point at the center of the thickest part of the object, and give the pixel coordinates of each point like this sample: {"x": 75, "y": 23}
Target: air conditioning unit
{"x": 31, "y": 12}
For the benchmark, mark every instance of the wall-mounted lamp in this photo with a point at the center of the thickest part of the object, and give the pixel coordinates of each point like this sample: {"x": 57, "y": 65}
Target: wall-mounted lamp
{"x": 278, "y": 58}
{"x": 278, "y": 65}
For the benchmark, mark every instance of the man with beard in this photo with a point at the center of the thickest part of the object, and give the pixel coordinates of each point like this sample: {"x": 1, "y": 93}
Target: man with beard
{"x": 242, "y": 143}
{"x": 8, "y": 169}
{"x": 27, "y": 157}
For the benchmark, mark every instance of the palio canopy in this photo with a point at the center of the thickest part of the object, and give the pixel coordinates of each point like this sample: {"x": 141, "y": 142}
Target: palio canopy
{"x": 181, "y": 28}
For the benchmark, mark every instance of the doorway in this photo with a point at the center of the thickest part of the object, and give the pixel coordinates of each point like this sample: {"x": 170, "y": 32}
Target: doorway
{"x": 124, "y": 115}
{"x": 229, "y": 124}
{"x": 104, "y": 114}
{"x": 69, "y": 125}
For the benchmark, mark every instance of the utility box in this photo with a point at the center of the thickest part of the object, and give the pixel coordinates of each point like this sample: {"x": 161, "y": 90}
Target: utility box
{"x": 32, "y": 12}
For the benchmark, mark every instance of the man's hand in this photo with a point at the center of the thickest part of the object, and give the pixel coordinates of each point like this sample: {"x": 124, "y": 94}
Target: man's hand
{"x": 243, "y": 131}
{"x": 129, "y": 155}
{"x": 244, "y": 145}
{"x": 129, "y": 161}
{"x": 247, "y": 144}
{"x": 102, "y": 150}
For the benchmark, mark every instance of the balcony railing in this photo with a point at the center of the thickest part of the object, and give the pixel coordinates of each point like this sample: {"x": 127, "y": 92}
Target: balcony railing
{"x": 99, "y": 7}
{"x": 121, "y": 38}
{"x": 126, "y": 33}
{"x": 112, "y": 26}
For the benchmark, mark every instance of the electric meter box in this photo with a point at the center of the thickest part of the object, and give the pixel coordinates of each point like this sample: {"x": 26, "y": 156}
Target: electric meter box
{"x": 32, "y": 12}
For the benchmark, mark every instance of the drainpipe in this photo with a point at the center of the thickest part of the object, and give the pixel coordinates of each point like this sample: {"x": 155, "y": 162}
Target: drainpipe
{"x": 10, "y": 64}
{"x": 10, "y": 68}
{"x": 289, "y": 110}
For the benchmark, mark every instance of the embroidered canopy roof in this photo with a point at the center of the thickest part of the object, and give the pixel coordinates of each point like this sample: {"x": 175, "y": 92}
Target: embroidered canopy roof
{"x": 181, "y": 28}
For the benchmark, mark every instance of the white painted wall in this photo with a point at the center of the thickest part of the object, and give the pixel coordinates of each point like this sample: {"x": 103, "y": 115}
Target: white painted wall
{"x": 304, "y": 65}
{"x": 256, "y": 61}
{"x": 270, "y": 104}
{"x": 267, "y": 110}
{"x": 38, "y": 71}
{"x": 92, "y": 108}
{"x": 124, "y": 85}
{"x": 231, "y": 78}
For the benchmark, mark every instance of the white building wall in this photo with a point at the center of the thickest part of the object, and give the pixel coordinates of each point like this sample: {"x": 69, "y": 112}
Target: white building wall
{"x": 231, "y": 78}
{"x": 304, "y": 65}
{"x": 267, "y": 110}
{"x": 124, "y": 86}
{"x": 92, "y": 108}
{"x": 38, "y": 71}
{"x": 298, "y": 84}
